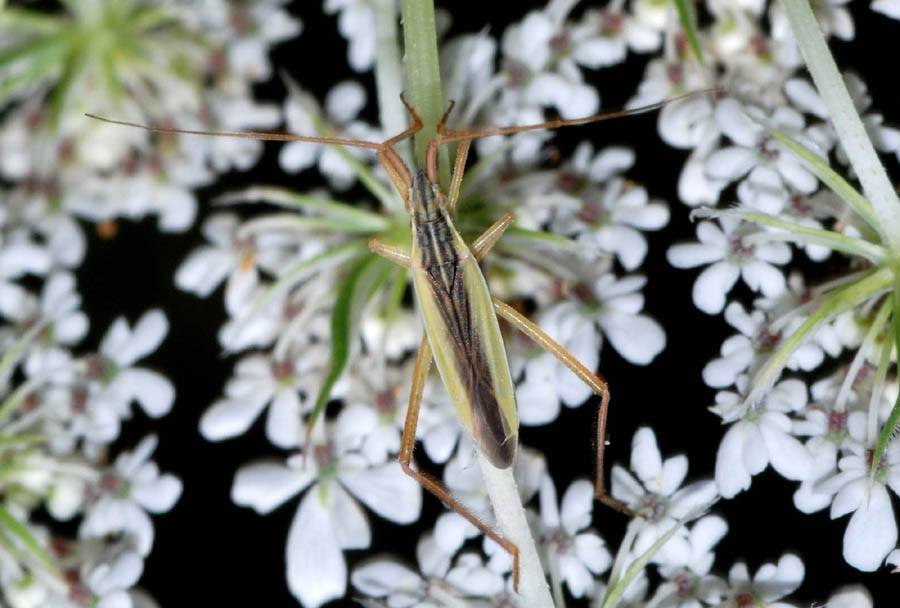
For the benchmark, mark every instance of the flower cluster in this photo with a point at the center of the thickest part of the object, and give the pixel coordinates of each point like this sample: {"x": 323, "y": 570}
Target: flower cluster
{"x": 759, "y": 151}
{"x": 60, "y": 411}
{"x": 316, "y": 319}
{"x": 325, "y": 319}
{"x": 76, "y": 528}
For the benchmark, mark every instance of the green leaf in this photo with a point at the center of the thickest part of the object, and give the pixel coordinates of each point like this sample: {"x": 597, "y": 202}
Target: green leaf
{"x": 21, "y": 531}
{"x": 890, "y": 425}
{"x": 43, "y": 62}
{"x": 361, "y": 219}
{"x": 364, "y": 279}
{"x": 334, "y": 256}
{"x": 832, "y": 303}
{"x": 73, "y": 66}
{"x": 834, "y": 181}
{"x": 616, "y": 588}
{"x": 6, "y": 440}
{"x": 23, "y": 20}
{"x": 802, "y": 234}
{"x": 36, "y": 47}
{"x": 686, "y": 17}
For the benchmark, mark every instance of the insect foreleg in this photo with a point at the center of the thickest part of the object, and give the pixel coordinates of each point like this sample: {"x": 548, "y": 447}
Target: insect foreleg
{"x": 595, "y": 383}
{"x": 407, "y": 443}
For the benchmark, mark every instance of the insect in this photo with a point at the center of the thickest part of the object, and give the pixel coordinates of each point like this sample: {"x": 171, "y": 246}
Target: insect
{"x": 462, "y": 332}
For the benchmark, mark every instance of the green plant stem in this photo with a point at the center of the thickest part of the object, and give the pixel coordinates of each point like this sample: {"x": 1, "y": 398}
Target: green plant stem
{"x": 423, "y": 75}
{"x": 849, "y": 127}
{"x": 887, "y": 431}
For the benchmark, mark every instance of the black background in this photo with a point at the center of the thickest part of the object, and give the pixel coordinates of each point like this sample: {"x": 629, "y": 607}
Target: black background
{"x": 210, "y": 552}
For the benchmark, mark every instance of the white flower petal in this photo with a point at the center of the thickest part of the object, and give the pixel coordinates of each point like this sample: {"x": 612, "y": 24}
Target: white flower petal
{"x": 646, "y": 461}
{"x": 577, "y": 506}
{"x": 712, "y": 285}
{"x": 729, "y": 164}
{"x": 638, "y": 338}
{"x": 731, "y": 474}
{"x": 228, "y": 418}
{"x": 146, "y": 336}
{"x": 872, "y": 531}
{"x": 264, "y": 486}
{"x": 387, "y": 490}
{"x": 159, "y": 496}
{"x": 787, "y": 455}
{"x": 384, "y": 577}
{"x": 316, "y": 571}
{"x": 351, "y": 526}
{"x": 153, "y": 391}
{"x": 284, "y": 425}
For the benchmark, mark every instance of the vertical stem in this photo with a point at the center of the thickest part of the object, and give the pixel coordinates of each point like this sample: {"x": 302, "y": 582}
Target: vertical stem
{"x": 847, "y": 123}
{"x": 510, "y": 514}
{"x": 424, "y": 81}
{"x": 423, "y": 76}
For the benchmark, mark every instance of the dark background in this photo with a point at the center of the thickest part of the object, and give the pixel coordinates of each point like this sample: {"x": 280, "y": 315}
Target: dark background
{"x": 210, "y": 552}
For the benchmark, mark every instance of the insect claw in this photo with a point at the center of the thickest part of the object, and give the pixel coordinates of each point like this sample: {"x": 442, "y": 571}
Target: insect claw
{"x": 443, "y": 121}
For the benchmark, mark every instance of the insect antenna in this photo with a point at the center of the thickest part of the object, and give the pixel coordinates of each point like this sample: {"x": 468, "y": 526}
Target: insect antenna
{"x": 262, "y": 135}
{"x": 447, "y": 136}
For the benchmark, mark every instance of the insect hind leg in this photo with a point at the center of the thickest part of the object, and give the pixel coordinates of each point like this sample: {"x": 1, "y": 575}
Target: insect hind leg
{"x": 407, "y": 443}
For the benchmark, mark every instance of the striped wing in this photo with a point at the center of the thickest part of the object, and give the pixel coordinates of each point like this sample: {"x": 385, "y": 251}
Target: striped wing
{"x": 468, "y": 349}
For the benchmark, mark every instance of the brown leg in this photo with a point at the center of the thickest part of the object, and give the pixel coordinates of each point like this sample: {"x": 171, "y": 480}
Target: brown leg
{"x": 407, "y": 443}
{"x": 489, "y": 237}
{"x": 394, "y": 254}
{"x": 596, "y": 384}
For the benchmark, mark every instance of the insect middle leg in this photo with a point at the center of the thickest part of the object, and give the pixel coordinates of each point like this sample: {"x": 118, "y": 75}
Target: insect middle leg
{"x": 595, "y": 383}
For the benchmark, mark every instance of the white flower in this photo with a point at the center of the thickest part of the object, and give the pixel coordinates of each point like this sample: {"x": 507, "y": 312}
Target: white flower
{"x": 228, "y": 256}
{"x": 356, "y": 23}
{"x": 342, "y": 105}
{"x": 757, "y": 153}
{"x": 125, "y": 494}
{"x": 732, "y": 256}
{"x": 739, "y": 352}
{"x": 579, "y": 555}
{"x": 117, "y": 381}
{"x": 251, "y": 29}
{"x": 691, "y": 585}
{"x": 108, "y": 583}
{"x": 609, "y": 307}
{"x": 891, "y": 8}
{"x": 760, "y": 436}
{"x": 259, "y": 381}
{"x": 850, "y": 596}
{"x": 612, "y": 214}
{"x": 529, "y": 50}
{"x": 658, "y": 499}
{"x": 403, "y": 587}
{"x": 872, "y": 531}
{"x": 375, "y": 404}
{"x": 827, "y": 429}
{"x": 328, "y": 520}
{"x": 771, "y": 583}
